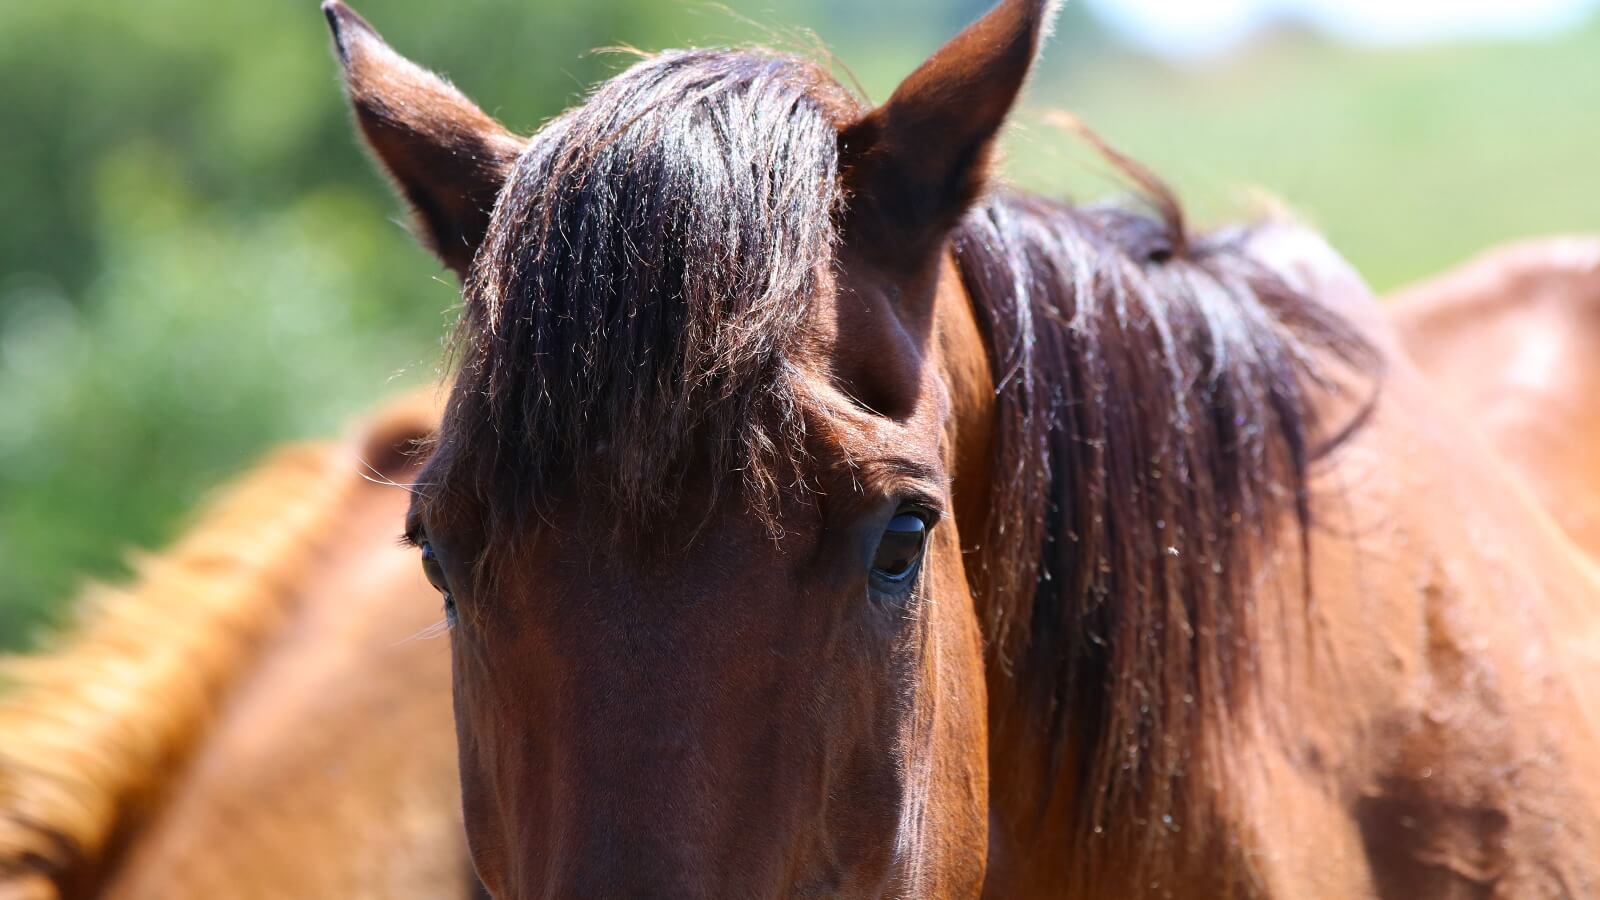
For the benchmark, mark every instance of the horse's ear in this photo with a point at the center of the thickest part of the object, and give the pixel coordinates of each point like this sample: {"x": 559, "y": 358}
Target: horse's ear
{"x": 445, "y": 154}
{"x": 917, "y": 162}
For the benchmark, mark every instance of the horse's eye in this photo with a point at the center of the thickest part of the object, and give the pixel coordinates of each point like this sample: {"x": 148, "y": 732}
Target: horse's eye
{"x": 900, "y": 549}
{"x": 432, "y": 568}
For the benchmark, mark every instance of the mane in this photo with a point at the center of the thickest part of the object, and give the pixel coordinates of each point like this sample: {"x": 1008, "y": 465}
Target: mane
{"x": 1156, "y": 431}
{"x": 95, "y": 728}
{"x": 651, "y": 259}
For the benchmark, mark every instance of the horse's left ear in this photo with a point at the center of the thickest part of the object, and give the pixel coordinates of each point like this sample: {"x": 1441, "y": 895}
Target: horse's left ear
{"x": 446, "y": 155}
{"x": 916, "y": 163}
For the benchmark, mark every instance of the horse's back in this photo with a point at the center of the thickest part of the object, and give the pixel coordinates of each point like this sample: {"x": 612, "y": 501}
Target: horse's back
{"x": 96, "y": 727}
{"x": 331, "y": 772}
{"x": 1513, "y": 341}
{"x": 327, "y": 768}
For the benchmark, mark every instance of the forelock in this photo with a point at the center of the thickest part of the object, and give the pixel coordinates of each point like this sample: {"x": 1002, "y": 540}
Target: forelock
{"x": 649, "y": 267}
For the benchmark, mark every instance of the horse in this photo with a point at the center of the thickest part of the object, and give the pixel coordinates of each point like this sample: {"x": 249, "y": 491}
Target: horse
{"x": 264, "y": 712}
{"x": 1514, "y": 338}
{"x": 228, "y": 576}
{"x": 338, "y": 501}
{"x": 358, "y": 846}
{"x": 813, "y": 519}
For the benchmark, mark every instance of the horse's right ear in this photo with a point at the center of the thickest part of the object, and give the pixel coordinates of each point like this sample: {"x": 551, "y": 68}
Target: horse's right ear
{"x": 445, "y": 154}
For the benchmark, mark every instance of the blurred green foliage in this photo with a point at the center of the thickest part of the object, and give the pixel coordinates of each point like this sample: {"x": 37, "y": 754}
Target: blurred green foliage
{"x": 196, "y": 262}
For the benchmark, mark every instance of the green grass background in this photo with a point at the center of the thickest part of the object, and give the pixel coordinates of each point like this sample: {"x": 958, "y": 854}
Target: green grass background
{"x": 196, "y": 262}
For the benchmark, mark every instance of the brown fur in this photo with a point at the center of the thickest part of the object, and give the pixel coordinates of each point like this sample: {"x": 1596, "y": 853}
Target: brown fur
{"x": 1513, "y": 339}
{"x": 330, "y": 771}
{"x": 95, "y": 729}
{"x": 153, "y": 710}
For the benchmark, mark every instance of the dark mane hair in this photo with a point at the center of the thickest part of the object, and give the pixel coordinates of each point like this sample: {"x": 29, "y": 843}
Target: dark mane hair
{"x": 651, "y": 259}
{"x": 1155, "y": 432}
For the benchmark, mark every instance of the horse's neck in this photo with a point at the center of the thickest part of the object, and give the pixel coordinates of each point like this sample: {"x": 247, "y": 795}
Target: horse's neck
{"x": 1428, "y": 722}
{"x": 1439, "y": 722}
{"x": 1446, "y": 702}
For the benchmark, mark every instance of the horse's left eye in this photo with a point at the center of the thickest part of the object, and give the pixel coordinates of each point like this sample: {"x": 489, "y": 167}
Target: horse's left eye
{"x": 432, "y": 568}
{"x": 900, "y": 549}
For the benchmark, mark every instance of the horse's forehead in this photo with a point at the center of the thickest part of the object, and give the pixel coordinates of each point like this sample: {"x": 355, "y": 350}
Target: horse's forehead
{"x": 874, "y": 341}
{"x": 853, "y": 447}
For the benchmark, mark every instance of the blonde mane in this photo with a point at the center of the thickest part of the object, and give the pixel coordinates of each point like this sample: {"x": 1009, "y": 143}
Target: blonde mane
{"x": 97, "y": 726}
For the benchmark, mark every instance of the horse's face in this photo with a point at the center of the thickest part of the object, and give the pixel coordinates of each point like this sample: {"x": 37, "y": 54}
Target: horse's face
{"x": 744, "y": 692}
{"x": 726, "y": 713}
